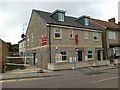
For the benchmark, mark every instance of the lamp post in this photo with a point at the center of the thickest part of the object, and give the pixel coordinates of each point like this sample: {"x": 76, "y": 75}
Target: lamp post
{"x": 75, "y": 59}
{"x": 34, "y": 53}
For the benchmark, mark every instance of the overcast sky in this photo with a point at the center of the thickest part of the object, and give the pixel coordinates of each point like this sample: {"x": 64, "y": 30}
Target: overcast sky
{"x": 14, "y": 14}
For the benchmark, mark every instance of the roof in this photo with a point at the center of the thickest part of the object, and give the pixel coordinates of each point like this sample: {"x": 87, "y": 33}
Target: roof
{"x": 105, "y": 23}
{"x": 2, "y": 40}
{"x": 22, "y": 40}
{"x": 58, "y": 11}
{"x": 69, "y": 21}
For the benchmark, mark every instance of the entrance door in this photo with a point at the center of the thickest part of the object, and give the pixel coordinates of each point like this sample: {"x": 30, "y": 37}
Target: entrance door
{"x": 79, "y": 55}
{"x": 98, "y": 55}
{"x": 34, "y": 54}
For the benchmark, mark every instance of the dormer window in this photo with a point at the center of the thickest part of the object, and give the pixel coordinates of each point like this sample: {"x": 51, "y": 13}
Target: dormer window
{"x": 60, "y": 17}
{"x": 86, "y": 21}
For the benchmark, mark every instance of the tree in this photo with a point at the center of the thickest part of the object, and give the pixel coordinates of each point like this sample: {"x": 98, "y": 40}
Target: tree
{"x": 13, "y": 48}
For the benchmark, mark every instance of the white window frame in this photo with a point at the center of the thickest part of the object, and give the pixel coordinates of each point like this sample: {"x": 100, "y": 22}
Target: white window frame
{"x": 64, "y": 55}
{"x": 71, "y": 32}
{"x": 111, "y": 35}
{"x": 116, "y": 50}
{"x": 89, "y": 54}
{"x": 60, "y": 17}
{"x": 86, "y": 21}
{"x": 55, "y": 32}
{"x": 85, "y": 35}
{"x": 96, "y": 34}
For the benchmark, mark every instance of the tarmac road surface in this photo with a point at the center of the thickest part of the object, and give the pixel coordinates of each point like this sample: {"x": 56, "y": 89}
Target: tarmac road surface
{"x": 85, "y": 79}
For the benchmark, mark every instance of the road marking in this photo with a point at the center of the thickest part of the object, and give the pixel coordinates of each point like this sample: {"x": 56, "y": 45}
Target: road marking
{"x": 20, "y": 79}
{"x": 103, "y": 80}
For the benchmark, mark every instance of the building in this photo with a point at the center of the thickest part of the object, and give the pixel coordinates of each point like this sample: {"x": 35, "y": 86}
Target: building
{"x": 22, "y": 49}
{"x": 4, "y": 51}
{"x": 55, "y": 38}
{"x": 22, "y": 44}
{"x": 110, "y": 37}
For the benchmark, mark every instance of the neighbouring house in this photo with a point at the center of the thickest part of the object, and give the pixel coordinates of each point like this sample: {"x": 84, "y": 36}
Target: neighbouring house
{"x": 110, "y": 37}
{"x": 22, "y": 44}
{"x": 56, "y": 39}
{"x": 4, "y": 51}
{"x": 22, "y": 48}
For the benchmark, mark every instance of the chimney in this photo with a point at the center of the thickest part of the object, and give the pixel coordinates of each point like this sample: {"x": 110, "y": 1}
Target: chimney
{"x": 111, "y": 20}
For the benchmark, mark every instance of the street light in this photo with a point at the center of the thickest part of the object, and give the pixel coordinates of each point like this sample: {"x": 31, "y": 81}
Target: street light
{"x": 76, "y": 58}
{"x": 34, "y": 53}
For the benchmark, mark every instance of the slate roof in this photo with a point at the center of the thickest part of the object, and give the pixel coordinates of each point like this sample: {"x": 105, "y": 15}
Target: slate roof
{"x": 69, "y": 21}
{"x": 22, "y": 40}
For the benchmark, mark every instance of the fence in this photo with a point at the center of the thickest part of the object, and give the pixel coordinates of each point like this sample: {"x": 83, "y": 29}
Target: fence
{"x": 19, "y": 58}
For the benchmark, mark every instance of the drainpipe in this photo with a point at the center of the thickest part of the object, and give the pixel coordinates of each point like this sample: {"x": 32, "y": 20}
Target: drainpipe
{"x": 49, "y": 41}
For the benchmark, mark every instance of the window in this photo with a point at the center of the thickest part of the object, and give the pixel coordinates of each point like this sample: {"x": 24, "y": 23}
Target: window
{"x": 95, "y": 36}
{"x": 90, "y": 54}
{"x": 71, "y": 34}
{"x": 85, "y": 35}
{"x": 57, "y": 33}
{"x": 86, "y": 21}
{"x": 60, "y": 17}
{"x": 116, "y": 50}
{"x": 64, "y": 55}
{"x": 111, "y": 35}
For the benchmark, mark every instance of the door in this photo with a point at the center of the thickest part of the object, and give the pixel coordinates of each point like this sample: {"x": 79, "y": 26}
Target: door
{"x": 79, "y": 55}
{"x": 98, "y": 55}
{"x": 34, "y": 54}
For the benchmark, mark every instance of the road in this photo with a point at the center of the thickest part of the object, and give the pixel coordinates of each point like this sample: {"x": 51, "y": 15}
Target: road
{"x": 79, "y": 79}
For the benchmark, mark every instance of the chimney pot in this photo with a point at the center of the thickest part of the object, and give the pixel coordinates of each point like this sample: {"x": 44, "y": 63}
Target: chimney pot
{"x": 112, "y": 20}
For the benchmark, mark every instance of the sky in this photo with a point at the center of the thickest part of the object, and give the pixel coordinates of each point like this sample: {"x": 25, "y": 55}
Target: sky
{"x": 15, "y": 14}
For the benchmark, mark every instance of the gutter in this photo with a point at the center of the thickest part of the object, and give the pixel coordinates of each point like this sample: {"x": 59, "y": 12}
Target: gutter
{"x": 74, "y": 27}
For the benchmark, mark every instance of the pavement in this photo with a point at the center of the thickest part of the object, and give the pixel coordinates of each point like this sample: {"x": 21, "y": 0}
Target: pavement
{"x": 32, "y": 72}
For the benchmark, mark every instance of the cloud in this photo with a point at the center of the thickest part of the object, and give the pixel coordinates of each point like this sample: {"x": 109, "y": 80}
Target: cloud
{"x": 14, "y": 14}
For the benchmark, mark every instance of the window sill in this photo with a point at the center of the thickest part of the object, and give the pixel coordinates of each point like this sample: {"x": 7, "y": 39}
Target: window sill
{"x": 62, "y": 61}
{"x": 90, "y": 59}
{"x": 71, "y": 38}
{"x": 58, "y": 38}
{"x": 96, "y": 40}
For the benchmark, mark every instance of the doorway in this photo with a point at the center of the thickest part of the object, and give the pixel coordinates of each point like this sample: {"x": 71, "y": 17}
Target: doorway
{"x": 98, "y": 55}
{"x": 34, "y": 54}
{"x": 79, "y": 55}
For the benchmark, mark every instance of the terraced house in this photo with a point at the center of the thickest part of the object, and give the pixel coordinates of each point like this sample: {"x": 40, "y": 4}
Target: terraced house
{"x": 110, "y": 37}
{"x": 57, "y": 40}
